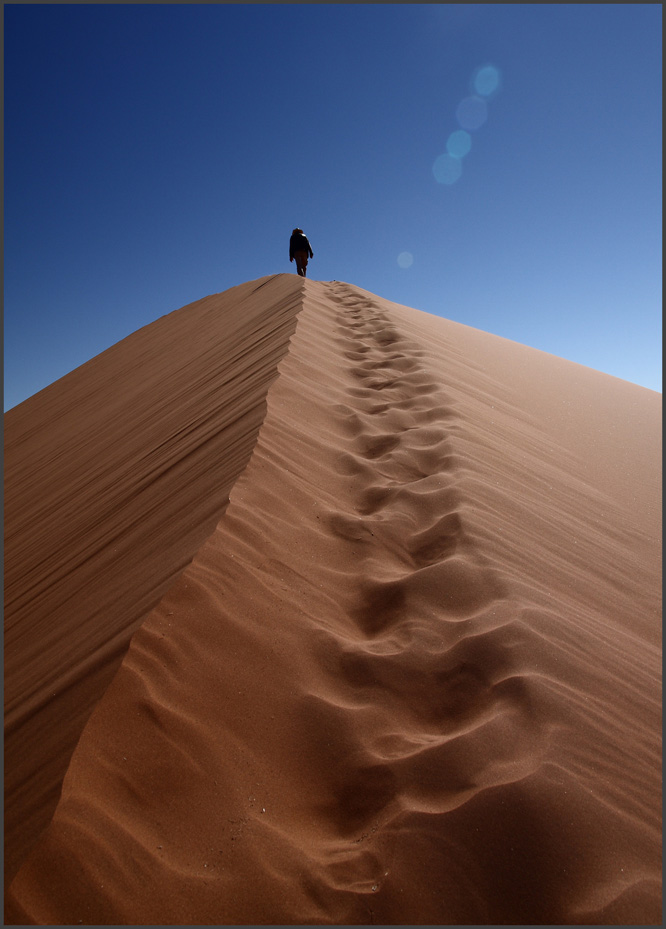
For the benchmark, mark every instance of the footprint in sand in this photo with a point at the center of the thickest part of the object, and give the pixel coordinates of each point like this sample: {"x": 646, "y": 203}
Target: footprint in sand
{"x": 455, "y": 704}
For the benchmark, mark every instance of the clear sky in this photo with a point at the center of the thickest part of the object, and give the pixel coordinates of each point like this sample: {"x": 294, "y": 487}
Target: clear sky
{"x": 498, "y": 165}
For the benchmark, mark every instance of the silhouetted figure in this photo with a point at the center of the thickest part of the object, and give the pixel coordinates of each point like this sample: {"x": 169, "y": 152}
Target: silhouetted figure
{"x": 299, "y": 248}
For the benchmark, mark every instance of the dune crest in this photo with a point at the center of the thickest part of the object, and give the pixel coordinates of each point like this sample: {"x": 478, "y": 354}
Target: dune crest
{"x": 114, "y": 476}
{"x": 412, "y": 676}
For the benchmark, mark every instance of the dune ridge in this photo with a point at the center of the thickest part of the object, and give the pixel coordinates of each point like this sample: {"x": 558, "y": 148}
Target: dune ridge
{"x": 108, "y": 494}
{"x": 413, "y": 675}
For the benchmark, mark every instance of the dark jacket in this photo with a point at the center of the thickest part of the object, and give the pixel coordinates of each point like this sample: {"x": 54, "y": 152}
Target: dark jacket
{"x": 299, "y": 243}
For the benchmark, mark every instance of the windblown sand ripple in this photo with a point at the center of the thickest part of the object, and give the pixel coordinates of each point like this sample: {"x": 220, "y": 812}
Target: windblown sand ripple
{"x": 114, "y": 476}
{"x": 412, "y": 676}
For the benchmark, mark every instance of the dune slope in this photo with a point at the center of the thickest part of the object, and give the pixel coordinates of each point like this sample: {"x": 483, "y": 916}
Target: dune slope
{"x": 114, "y": 476}
{"x": 412, "y": 676}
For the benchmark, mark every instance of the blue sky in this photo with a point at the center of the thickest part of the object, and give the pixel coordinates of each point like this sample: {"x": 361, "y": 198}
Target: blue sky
{"x": 157, "y": 153}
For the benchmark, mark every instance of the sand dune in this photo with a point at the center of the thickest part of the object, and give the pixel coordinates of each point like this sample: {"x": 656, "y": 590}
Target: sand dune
{"x": 114, "y": 476}
{"x": 412, "y": 673}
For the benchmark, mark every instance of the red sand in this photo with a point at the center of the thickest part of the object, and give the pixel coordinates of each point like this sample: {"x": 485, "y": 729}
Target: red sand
{"x": 413, "y": 671}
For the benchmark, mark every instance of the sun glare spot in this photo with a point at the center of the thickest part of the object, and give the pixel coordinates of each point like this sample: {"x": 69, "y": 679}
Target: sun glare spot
{"x": 486, "y": 80}
{"x": 405, "y": 259}
{"x": 447, "y": 169}
{"x": 472, "y": 113}
{"x": 459, "y": 143}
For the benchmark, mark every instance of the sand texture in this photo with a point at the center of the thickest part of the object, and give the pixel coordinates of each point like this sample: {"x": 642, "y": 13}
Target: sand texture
{"x": 411, "y": 674}
{"x": 114, "y": 476}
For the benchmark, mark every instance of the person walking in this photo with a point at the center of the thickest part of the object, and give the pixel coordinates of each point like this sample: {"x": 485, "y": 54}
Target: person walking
{"x": 299, "y": 248}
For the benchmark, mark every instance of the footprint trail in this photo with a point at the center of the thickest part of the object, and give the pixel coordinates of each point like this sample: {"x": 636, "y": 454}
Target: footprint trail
{"x": 433, "y": 630}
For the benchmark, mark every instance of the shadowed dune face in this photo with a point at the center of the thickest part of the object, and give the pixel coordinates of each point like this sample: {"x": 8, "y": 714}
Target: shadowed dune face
{"x": 114, "y": 476}
{"x": 412, "y": 676}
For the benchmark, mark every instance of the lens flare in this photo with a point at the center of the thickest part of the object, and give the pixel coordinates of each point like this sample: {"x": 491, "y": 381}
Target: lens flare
{"x": 405, "y": 259}
{"x": 486, "y": 80}
{"x": 447, "y": 169}
{"x": 472, "y": 113}
{"x": 459, "y": 143}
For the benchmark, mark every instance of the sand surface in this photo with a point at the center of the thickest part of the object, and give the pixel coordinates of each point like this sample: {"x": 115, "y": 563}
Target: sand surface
{"x": 410, "y": 675}
{"x": 114, "y": 476}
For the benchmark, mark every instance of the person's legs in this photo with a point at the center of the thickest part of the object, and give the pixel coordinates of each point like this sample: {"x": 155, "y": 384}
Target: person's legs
{"x": 301, "y": 262}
